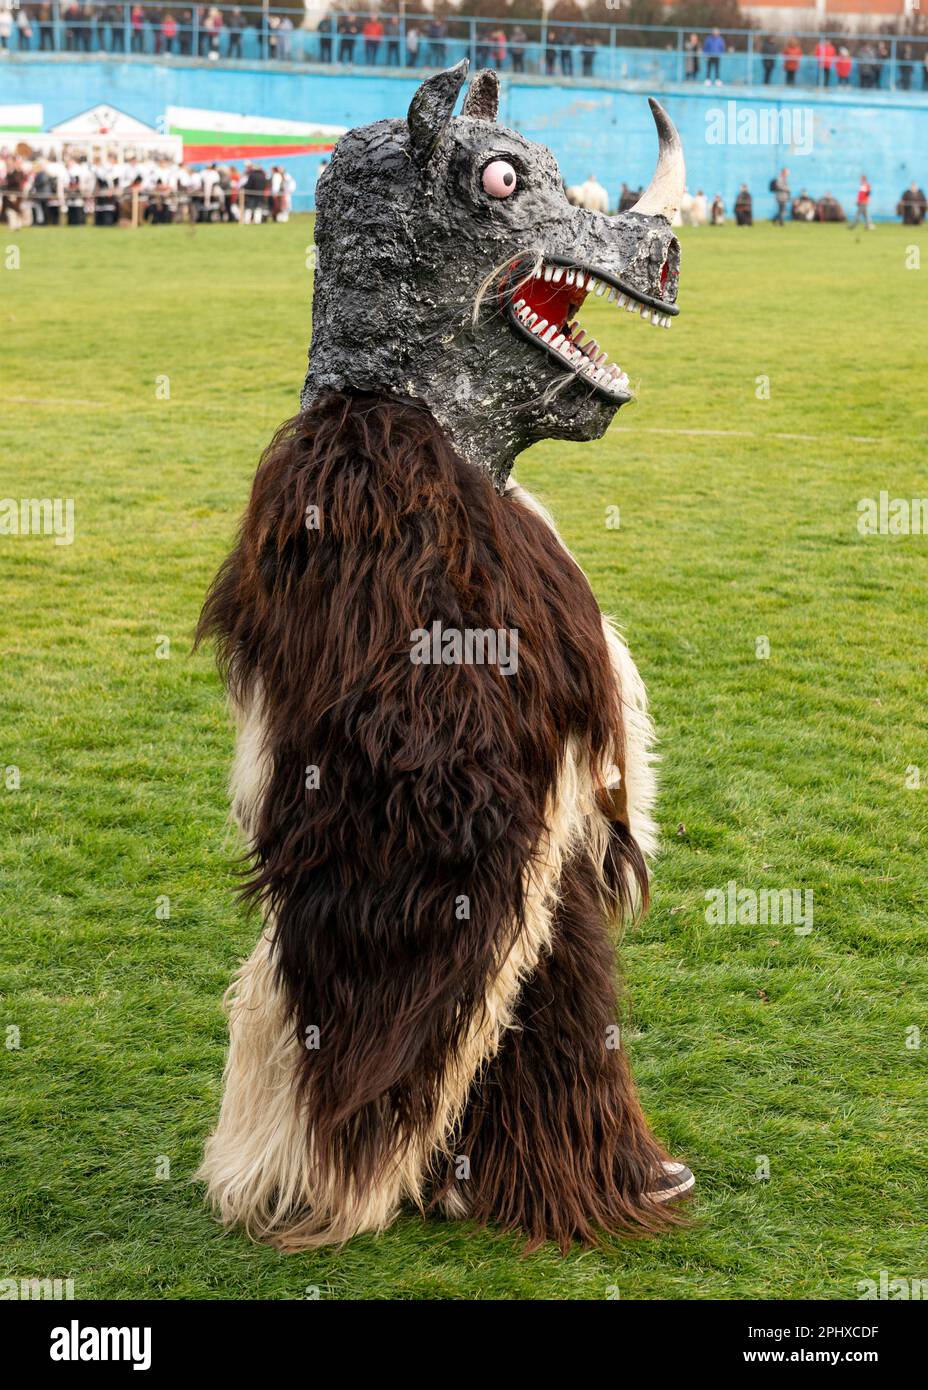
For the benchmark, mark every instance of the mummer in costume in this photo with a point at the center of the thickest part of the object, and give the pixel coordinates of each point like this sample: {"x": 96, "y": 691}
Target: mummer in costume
{"x": 442, "y": 770}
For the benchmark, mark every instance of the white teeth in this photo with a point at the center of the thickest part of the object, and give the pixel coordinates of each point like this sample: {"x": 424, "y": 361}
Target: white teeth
{"x": 645, "y": 314}
{"x": 558, "y": 341}
{"x": 549, "y": 271}
{"x": 611, "y": 295}
{"x": 591, "y": 284}
{"x": 558, "y": 272}
{"x": 540, "y": 326}
{"x": 579, "y": 279}
{"x": 519, "y": 303}
{"x": 600, "y": 288}
{"x": 532, "y": 318}
{"x": 569, "y": 278}
{"x": 621, "y": 301}
{"x": 548, "y": 334}
{"x": 631, "y": 307}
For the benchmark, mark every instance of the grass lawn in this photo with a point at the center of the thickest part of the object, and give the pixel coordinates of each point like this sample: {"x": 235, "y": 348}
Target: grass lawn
{"x": 738, "y": 522}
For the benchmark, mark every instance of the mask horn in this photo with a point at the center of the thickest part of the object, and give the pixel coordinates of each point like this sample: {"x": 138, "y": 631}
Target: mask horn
{"x": 432, "y": 108}
{"x": 482, "y": 100}
{"x": 664, "y": 193}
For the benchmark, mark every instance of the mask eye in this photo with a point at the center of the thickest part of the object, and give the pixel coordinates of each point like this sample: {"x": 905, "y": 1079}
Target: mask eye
{"x": 499, "y": 179}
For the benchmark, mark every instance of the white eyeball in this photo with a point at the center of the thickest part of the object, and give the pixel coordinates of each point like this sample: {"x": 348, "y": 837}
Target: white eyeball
{"x": 499, "y": 179}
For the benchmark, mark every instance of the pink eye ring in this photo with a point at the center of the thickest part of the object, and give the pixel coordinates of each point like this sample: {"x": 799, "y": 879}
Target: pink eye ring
{"x": 499, "y": 179}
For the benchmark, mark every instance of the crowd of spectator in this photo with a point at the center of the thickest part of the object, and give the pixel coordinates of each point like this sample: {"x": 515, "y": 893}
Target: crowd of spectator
{"x": 73, "y": 190}
{"x": 209, "y": 31}
{"x": 866, "y": 65}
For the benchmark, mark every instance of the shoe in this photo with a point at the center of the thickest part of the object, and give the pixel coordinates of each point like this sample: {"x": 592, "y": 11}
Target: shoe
{"x": 676, "y": 1181}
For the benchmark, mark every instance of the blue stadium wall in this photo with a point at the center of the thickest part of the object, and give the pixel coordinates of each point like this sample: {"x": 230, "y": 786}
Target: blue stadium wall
{"x": 602, "y": 128}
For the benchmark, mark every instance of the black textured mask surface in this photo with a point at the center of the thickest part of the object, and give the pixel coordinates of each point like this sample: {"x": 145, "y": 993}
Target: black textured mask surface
{"x": 420, "y": 270}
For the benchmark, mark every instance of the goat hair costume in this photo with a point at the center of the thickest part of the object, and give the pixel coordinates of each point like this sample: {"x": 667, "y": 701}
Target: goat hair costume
{"x": 439, "y": 841}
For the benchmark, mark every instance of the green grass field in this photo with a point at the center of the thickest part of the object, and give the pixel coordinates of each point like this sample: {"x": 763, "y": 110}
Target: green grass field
{"x": 738, "y": 521}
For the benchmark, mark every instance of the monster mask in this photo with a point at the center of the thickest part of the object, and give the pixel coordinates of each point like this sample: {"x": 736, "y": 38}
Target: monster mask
{"x": 453, "y": 270}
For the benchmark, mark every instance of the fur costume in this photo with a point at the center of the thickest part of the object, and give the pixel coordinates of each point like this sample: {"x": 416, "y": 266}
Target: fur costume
{"x": 438, "y": 846}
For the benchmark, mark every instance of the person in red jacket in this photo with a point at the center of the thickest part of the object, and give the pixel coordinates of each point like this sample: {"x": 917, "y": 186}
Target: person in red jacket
{"x": 825, "y": 57}
{"x": 792, "y": 57}
{"x": 863, "y": 205}
{"x": 843, "y": 64}
{"x": 372, "y": 32}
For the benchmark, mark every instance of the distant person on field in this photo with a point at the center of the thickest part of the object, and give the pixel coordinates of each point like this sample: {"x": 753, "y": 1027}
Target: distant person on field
{"x": 804, "y": 208}
{"x": 412, "y": 46}
{"x": 912, "y": 206}
{"x": 780, "y": 190}
{"x": 863, "y": 205}
{"x": 843, "y": 65}
{"x": 713, "y": 48}
{"x": 717, "y": 211}
{"x": 744, "y": 208}
{"x": 699, "y": 211}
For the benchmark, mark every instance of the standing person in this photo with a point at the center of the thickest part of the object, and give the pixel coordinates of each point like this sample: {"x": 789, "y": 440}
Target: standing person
{"x": 905, "y": 67}
{"x": 47, "y": 28}
{"x": 824, "y": 57}
{"x": 348, "y": 29}
{"x": 284, "y": 39}
{"x": 744, "y": 208}
{"x": 713, "y": 48}
{"x": 412, "y": 46}
{"x": 391, "y": 30}
{"x": 168, "y": 32}
{"x": 691, "y": 60}
{"x": 372, "y": 31}
{"x": 498, "y": 48}
{"x": 567, "y": 52}
{"x": 717, "y": 211}
{"x": 882, "y": 61}
{"x": 436, "y": 55}
{"x": 517, "y": 42}
{"x": 550, "y": 53}
{"x": 236, "y": 27}
{"x": 768, "y": 52}
{"x": 324, "y": 30}
{"x": 137, "y": 23}
{"x": 780, "y": 189}
{"x": 792, "y": 57}
{"x": 23, "y": 28}
{"x": 862, "y": 213}
{"x": 843, "y": 64}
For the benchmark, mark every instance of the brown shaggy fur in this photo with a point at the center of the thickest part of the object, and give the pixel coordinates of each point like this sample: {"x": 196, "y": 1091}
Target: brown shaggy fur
{"x": 434, "y": 782}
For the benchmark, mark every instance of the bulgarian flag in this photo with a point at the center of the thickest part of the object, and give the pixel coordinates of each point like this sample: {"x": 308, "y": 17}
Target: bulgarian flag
{"x": 210, "y": 136}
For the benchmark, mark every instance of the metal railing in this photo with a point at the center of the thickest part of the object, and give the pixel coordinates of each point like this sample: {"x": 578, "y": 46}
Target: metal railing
{"x": 613, "y": 52}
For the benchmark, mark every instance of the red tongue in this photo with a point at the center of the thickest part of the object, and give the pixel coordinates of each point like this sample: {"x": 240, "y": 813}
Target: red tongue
{"x": 550, "y": 301}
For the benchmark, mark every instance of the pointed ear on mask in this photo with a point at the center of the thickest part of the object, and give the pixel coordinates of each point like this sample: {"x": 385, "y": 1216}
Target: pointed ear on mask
{"x": 432, "y": 108}
{"x": 482, "y": 100}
